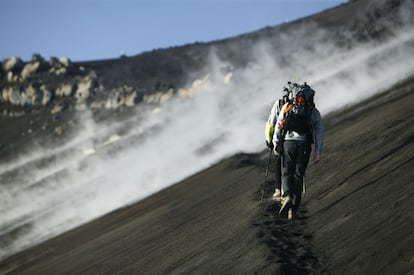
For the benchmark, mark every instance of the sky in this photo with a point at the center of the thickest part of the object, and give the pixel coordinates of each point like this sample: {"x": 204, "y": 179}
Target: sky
{"x": 103, "y": 29}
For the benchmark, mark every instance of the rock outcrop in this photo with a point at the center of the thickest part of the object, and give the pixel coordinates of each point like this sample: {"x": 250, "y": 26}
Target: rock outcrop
{"x": 59, "y": 84}
{"x": 65, "y": 90}
{"x": 123, "y": 96}
{"x": 62, "y": 84}
{"x": 12, "y": 64}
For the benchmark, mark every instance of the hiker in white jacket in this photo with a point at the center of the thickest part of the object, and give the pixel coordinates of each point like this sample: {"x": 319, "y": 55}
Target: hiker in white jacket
{"x": 298, "y": 125}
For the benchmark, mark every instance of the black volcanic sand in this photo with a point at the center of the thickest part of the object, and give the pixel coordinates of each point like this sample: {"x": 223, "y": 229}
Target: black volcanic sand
{"x": 357, "y": 215}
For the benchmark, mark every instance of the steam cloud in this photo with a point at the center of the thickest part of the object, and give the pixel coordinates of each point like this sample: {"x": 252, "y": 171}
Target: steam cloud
{"x": 110, "y": 166}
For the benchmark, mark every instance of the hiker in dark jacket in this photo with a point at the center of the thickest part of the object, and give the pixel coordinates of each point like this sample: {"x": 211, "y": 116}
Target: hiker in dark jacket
{"x": 298, "y": 123}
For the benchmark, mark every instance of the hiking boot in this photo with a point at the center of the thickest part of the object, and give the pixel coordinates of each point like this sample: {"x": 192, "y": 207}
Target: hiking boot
{"x": 276, "y": 195}
{"x": 286, "y": 205}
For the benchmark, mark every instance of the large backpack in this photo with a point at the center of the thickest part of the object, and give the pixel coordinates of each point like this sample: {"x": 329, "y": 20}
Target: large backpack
{"x": 299, "y": 110}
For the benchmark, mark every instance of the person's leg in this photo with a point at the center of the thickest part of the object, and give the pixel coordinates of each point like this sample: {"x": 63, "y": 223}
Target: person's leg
{"x": 278, "y": 181}
{"x": 307, "y": 154}
{"x": 301, "y": 162}
{"x": 278, "y": 173}
{"x": 287, "y": 167}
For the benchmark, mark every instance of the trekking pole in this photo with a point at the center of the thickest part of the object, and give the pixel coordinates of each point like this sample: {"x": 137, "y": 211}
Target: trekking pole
{"x": 267, "y": 172}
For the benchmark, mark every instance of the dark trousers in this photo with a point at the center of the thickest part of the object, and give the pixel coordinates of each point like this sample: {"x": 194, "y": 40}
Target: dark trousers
{"x": 278, "y": 173}
{"x": 294, "y": 160}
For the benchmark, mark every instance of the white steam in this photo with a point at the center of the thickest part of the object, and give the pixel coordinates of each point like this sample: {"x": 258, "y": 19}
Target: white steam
{"x": 108, "y": 166}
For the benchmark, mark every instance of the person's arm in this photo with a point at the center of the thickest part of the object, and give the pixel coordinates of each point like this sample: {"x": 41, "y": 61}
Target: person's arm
{"x": 271, "y": 122}
{"x": 277, "y": 136}
{"x": 319, "y": 134}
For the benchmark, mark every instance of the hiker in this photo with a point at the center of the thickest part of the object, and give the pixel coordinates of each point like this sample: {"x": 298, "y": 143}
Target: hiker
{"x": 298, "y": 125}
{"x": 269, "y": 131}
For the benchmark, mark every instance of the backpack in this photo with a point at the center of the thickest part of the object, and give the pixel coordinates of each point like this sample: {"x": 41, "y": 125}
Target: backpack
{"x": 299, "y": 110}
{"x": 285, "y": 96}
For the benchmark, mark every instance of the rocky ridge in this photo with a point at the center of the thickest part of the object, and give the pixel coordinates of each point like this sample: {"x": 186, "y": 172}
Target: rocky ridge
{"x": 59, "y": 84}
